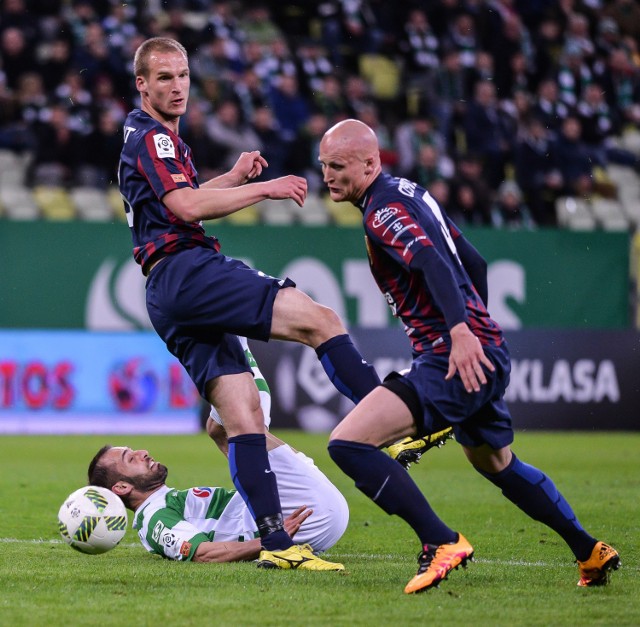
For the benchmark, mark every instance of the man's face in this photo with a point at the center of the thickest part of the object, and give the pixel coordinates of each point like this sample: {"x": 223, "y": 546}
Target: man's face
{"x": 139, "y": 469}
{"x": 343, "y": 172}
{"x": 166, "y": 89}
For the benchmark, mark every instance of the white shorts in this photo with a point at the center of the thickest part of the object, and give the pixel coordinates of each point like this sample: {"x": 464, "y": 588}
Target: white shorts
{"x": 300, "y": 482}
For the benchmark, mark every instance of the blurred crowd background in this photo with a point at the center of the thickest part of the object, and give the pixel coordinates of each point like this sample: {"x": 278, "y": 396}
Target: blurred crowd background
{"x": 513, "y": 113}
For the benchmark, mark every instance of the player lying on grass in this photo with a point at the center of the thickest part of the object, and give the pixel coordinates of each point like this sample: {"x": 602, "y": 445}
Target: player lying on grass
{"x": 213, "y": 524}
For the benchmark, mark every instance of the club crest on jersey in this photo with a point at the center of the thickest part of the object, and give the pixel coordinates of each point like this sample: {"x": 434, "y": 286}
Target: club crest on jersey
{"x": 381, "y": 216}
{"x": 202, "y": 493}
{"x": 164, "y": 146}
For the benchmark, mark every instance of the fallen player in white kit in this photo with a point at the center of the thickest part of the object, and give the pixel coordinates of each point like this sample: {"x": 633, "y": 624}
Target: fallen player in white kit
{"x": 213, "y": 524}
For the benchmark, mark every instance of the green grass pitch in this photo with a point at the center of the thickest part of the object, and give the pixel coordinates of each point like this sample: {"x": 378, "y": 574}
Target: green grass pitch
{"x": 523, "y": 573}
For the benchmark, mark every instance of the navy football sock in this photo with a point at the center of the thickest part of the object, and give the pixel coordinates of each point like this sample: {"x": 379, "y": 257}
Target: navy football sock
{"x": 536, "y": 495}
{"x": 256, "y": 483}
{"x": 390, "y": 487}
{"x": 346, "y": 368}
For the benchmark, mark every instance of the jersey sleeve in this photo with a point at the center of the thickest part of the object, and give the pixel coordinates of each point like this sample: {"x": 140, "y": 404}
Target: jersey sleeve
{"x": 169, "y": 535}
{"x": 407, "y": 242}
{"x": 160, "y": 162}
{"x": 395, "y": 230}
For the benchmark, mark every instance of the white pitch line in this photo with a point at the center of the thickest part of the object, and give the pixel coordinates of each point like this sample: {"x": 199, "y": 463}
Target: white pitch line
{"x": 373, "y": 556}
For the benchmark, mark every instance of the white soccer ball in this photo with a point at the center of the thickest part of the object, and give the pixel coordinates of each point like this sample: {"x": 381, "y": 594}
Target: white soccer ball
{"x": 92, "y": 520}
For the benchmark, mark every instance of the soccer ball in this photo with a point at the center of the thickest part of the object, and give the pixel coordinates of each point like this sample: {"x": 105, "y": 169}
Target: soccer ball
{"x": 92, "y": 520}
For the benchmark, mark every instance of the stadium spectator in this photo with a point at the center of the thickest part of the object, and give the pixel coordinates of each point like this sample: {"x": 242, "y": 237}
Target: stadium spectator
{"x": 436, "y": 283}
{"x": 303, "y": 153}
{"x": 212, "y": 61}
{"x": 469, "y": 173}
{"x": 195, "y": 133}
{"x": 462, "y": 37}
{"x": 56, "y": 62}
{"x": 453, "y": 92}
{"x": 537, "y": 170}
{"x": 420, "y": 48}
{"x": 330, "y": 99}
{"x": 290, "y": 107}
{"x": 596, "y": 122}
{"x": 509, "y": 210}
{"x": 357, "y": 94}
{"x": 314, "y": 65}
{"x": 626, "y": 14}
{"x": 59, "y": 149}
{"x": 486, "y": 132}
{"x": 574, "y": 159}
{"x": 574, "y": 74}
{"x": 17, "y": 57}
{"x": 418, "y": 131}
{"x": 430, "y": 166}
{"x": 274, "y": 60}
{"x": 73, "y": 95}
{"x": 465, "y": 208}
{"x": 251, "y": 92}
{"x": 228, "y": 130}
{"x": 101, "y": 166}
{"x": 257, "y": 25}
{"x": 621, "y": 83}
{"x": 270, "y": 144}
{"x": 548, "y": 107}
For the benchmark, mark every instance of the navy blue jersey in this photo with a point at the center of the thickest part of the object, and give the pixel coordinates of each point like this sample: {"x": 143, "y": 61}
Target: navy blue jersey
{"x": 400, "y": 220}
{"x": 153, "y": 162}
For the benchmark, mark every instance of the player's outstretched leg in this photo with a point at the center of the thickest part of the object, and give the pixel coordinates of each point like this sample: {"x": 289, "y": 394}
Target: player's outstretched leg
{"x": 409, "y": 450}
{"x": 436, "y": 562}
{"x": 536, "y": 495}
{"x": 595, "y": 570}
{"x": 298, "y": 556}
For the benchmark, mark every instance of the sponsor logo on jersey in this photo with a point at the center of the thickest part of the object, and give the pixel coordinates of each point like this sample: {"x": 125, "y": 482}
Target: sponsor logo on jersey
{"x": 179, "y": 178}
{"x": 203, "y": 493}
{"x": 157, "y": 531}
{"x": 185, "y": 549}
{"x": 164, "y": 146}
{"x": 381, "y": 216}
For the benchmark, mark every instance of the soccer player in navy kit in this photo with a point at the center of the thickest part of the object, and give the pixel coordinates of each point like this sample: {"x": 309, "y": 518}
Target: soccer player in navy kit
{"x": 199, "y": 300}
{"x": 436, "y": 283}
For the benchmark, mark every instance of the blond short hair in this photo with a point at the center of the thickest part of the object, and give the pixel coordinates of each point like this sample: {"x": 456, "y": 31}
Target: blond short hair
{"x": 155, "y": 44}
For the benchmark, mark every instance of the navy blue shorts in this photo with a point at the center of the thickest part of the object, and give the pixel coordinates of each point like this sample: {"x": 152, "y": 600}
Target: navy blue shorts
{"x": 199, "y": 300}
{"x": 477, "y": 417}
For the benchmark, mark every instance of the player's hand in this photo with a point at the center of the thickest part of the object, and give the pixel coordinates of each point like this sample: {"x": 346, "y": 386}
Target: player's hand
{"x": 467, "y": 358}
{"x": 294, "y": 187}
{"x": 249, "y": 166}
{"x": 295, "y": 519}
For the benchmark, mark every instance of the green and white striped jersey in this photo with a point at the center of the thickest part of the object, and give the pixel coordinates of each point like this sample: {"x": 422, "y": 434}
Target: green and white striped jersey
{"x": 173, "y": 523}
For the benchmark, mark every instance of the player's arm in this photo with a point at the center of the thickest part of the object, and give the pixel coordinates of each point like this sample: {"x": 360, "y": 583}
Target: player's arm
{"x": 221, "y": 552}
{"x": 244, "y": 551}
{"x": 193, "y": 205}
{"x": 467, "y": 356}
{"x": 248, "y": 167}
{"x": 473, "y": 262}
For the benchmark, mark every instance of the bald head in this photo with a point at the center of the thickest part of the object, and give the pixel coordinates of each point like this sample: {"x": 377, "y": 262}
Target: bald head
{"x": 350, "y": 158}
{"x": 354, "y": 137}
